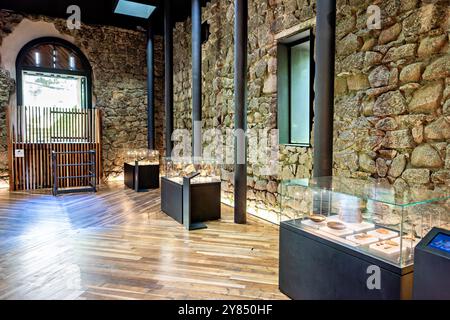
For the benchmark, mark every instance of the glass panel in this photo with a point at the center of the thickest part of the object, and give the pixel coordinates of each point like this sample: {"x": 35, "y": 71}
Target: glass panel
{"x": 368, "y": 190}
{"x": 300, "y": 93}
{"x": 208, "y": 170}
{"x": 142, "y": 156}
{"x": 385, "y": 231}
{"x": 65, "y": 95}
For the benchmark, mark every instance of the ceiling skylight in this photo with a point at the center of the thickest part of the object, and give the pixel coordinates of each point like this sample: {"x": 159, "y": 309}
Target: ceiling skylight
{"x": 134, "y": 9}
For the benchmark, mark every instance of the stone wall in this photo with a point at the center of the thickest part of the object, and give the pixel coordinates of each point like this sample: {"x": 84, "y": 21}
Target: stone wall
{"x": 392, "y": 115}
{"x": 392, "y": 87}
{"x": 118, "y": 60}
{"x": 267, "y": 21}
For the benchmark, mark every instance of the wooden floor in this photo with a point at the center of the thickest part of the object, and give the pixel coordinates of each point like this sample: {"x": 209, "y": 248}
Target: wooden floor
{"x": 116, "y": 244}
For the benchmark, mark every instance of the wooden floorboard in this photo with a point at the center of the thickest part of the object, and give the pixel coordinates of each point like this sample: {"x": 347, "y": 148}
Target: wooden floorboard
{"x": 117, "y": 244}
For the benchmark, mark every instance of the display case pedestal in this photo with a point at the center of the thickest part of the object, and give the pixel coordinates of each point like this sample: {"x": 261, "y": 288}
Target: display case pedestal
{"x": 141, "y": 177}
{"x": 312, "y": 267}
{"x": 204, "y": 202}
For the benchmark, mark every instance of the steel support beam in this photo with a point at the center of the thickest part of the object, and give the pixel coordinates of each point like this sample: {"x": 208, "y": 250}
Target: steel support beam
{"x": 324, "y": 88}
{"x": 240, "y": 110}
{"x": 168, "y": 74}
{"x": 150, "y": 90}
{"x": 196, "y": 12}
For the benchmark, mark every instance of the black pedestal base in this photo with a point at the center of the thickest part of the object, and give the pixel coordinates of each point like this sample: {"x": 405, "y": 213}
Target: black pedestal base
{"x": 147, "y": 176}
{"x": 315, "y": 268}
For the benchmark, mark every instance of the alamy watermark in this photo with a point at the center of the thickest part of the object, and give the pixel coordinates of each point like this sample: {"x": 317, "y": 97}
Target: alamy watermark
{"x": 74, "y": 20}
{"x": 257, "y": 147}
{"x": 374, "y": 280}
{"x": 373, "y": 17}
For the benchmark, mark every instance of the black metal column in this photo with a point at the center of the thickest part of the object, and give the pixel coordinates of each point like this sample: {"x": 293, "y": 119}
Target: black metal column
{"x": 324, "y": 87}
{"x": 168, "y": 74}
{"x": 240, "y": 110}
{"x": 150, "y": 90}
{"x": 196, "y": 12}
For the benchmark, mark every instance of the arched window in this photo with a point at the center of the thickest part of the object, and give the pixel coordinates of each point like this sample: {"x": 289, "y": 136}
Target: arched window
{"x": 52, "y": 72}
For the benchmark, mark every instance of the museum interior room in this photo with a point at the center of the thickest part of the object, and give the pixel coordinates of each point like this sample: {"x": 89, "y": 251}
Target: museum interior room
{"x": 224, "y": 149}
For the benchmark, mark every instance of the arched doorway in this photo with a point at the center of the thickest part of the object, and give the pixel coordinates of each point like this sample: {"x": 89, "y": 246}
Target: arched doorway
{"x": 54, "y": 133}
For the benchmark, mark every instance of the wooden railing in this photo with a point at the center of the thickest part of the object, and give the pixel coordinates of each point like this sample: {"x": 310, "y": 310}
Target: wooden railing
{"x": 34, "y": 132}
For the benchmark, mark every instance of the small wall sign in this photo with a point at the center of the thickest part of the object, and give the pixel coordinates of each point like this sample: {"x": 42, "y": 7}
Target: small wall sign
{"x": 19, "y": 153}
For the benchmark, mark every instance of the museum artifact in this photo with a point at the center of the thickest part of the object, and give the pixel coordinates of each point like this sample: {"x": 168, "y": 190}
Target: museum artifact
{"x": 336, "y": 225}
{"x": 317, "y": 218}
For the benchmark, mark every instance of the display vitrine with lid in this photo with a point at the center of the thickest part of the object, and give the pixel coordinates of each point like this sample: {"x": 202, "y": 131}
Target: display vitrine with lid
{"x": 354, "y": 222}
{"x": 141, "y": 169}
{"x": 176, "y": 169}
{"x": 204, "y": 189}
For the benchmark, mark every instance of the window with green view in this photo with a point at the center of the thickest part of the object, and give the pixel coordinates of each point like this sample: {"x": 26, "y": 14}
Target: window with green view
{"x": 295, "y": 82}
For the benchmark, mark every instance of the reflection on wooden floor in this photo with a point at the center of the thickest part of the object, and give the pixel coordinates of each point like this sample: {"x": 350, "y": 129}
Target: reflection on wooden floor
{"x": 117, "y": 244}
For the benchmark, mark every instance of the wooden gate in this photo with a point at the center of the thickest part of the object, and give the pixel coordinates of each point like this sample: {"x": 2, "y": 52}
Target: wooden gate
{"x": 34, "y": 132}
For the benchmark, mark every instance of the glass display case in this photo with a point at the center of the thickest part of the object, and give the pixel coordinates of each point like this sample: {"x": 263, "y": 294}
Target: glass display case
{"x": 142, "y": 156}
{"x": 371, "y": 218}
{"x": 193, "y": 186}
{"x": 175, "y": 170}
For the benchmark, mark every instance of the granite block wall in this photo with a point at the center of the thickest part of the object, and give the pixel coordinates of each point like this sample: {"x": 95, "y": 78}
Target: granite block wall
{"x": 391, "y": 90}
{"x": 392, "y": 119}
